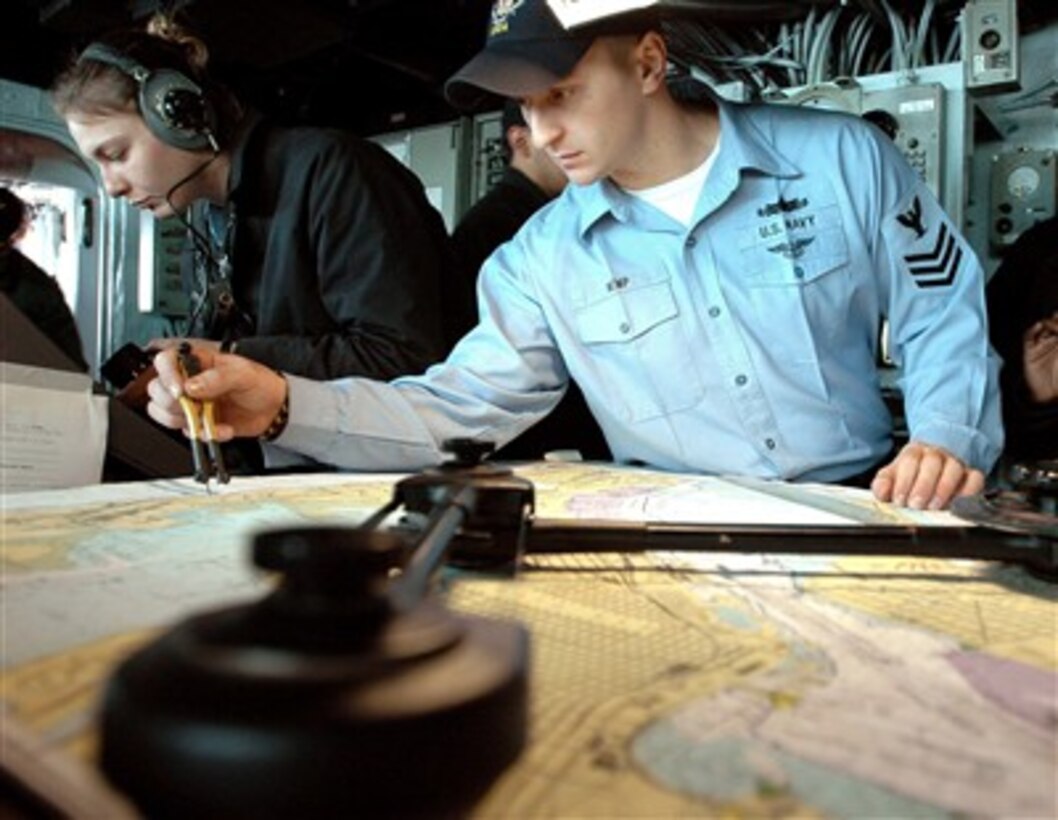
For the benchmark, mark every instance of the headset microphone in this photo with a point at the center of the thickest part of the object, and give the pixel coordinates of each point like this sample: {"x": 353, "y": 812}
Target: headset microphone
{"x": 178, "y": 112}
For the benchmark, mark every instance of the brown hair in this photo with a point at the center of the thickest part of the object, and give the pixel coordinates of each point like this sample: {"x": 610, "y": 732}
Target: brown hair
{"x": 94, "y": 87}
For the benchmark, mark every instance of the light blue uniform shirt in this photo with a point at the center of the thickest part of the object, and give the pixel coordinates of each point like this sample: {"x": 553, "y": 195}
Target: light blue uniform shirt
{"x": 744, "y": 344}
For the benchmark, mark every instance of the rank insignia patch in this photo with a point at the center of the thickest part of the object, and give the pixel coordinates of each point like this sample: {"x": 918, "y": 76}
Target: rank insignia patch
{"x": 912, "y": 220}
{"x": 938, "y": 267}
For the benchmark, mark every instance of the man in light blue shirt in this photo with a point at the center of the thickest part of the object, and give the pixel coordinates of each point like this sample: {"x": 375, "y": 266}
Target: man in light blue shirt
{"x": 715, "y": 280}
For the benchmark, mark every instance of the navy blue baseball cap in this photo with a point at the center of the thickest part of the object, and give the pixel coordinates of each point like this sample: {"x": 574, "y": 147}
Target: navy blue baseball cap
{"x": 528, "y": 50}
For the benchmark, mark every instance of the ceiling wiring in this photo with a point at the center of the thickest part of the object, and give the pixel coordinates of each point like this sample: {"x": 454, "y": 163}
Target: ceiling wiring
{"x": 826, "y": 41}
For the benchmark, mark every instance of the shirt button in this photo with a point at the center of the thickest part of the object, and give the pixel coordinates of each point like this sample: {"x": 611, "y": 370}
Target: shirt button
{"x": 714, "y": 312}
{"x": 799, "y": 272}
{"x": 624, "y": 327}
{"x": 740, "y": 380}
{"x": 769, "y": 443}
{"x": 691, "y": 241}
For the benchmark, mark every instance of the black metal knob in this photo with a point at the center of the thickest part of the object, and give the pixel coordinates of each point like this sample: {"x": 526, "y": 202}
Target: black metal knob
{"x": 337, "y": 557}
{"x": 468, "y": 452}
{"x": 314, "y": 703}
{"x": 329, "y": 574}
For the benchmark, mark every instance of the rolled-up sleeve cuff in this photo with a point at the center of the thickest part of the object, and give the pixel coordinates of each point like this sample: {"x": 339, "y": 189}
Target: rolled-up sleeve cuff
{"x": 313, "y": 408}
{"x": 355, "y": 424}
{"x": 968, "y": 444}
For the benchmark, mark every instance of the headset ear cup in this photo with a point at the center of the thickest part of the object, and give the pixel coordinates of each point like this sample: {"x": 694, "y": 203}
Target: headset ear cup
{"x": 176, "y": 111}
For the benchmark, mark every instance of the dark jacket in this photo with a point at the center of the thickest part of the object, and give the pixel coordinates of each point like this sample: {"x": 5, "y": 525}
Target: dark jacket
{"x": 490, "y": 222}
{"x": 1024, "y": 290}
{"x": 338, "y": 260}
{"x": 38, "y": 296}
{"x": 494, "y": 219}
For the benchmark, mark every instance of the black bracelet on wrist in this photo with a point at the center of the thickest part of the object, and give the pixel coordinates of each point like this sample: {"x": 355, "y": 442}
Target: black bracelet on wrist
{"x": 282, "y": 416}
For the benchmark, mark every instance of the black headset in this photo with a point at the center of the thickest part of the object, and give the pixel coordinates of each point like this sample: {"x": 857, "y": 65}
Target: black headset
{"x": 174, "y": 107}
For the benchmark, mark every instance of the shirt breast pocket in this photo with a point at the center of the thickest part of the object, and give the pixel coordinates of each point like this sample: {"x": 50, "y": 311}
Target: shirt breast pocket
{"x": 802, "y": 291}
{"x": 640, "y": 354}
{"x": 796, "y": 261}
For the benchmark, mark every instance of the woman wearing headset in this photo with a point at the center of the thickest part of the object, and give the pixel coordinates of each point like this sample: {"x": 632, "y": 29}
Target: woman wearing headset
{"x": 312, "y": 251}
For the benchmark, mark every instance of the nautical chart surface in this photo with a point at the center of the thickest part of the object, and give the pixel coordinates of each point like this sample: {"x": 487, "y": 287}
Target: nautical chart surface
{"x": 663, "y": 684}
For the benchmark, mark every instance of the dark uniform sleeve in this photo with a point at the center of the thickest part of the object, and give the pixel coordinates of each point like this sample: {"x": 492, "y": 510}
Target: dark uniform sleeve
{"x": 382, "y": 256}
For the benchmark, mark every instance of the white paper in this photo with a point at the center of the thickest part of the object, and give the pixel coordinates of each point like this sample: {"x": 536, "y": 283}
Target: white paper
{"x": 53, "y": 431}
{"x": 572, "y": 13}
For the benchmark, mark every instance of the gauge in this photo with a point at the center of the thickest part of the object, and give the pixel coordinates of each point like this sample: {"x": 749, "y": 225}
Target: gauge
{"x": 1023, "y": 181}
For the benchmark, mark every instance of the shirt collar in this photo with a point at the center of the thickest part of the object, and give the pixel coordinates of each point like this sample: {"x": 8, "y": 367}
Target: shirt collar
{"x": 742, "y": 148}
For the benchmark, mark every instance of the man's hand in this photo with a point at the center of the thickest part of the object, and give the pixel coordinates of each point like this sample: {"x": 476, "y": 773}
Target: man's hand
{"x": 247, "y": 395}
{"x": 925, "y": 477}
{"x": 1041, "y": 360}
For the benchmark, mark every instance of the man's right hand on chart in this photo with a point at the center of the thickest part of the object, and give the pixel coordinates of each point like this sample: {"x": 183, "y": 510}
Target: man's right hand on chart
{"x": 247, "y": 395}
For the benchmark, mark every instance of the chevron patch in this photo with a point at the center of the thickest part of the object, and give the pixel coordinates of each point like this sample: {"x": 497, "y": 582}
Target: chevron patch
{"x": 938, "y": 267}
